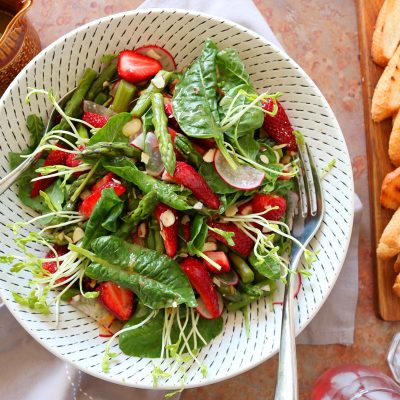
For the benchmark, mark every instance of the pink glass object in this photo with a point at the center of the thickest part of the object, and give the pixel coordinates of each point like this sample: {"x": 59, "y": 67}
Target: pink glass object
{"x": 351, "y": 382}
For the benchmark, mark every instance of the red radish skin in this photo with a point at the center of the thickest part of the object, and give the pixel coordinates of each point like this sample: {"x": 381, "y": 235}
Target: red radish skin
{"x": 92, "y": 107}
{"x": 138, "y": 141}
{"x": 230, "y": 278}
{"x": 168, "y": 233}
{"x": 164, "y": 56}
{"x": 201, "y": 281}
{"x": 220, "y": 258}
{"x": 296, "y": 293}
{"x": 242, "y": 243}
{"x": 202, "y": 310}
{"x": 243, "y": 177}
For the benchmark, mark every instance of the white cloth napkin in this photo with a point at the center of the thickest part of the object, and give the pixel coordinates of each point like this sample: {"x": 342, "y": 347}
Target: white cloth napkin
{"x": 29, "y": 372}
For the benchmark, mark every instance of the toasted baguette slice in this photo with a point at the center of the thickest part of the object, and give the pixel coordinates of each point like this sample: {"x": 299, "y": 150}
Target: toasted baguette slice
{"x": 396, "y": 286}
{"x": 386, "y": 98}
{"x": 386, "y": 35}
{"x": 389, "y": 243}
{"x": 394, "y": 141}
{"x": 390, "y": 192}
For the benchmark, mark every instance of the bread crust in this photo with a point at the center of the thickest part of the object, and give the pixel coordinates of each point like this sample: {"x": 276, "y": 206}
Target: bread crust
{"x": 389, "y": 243}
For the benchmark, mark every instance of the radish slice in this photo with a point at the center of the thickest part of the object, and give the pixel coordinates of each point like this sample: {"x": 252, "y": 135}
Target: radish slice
{"x": 154, "y": 166}
{"x": 243, "y": 177}
{"x": 230, "y": 278}
{"x": 138, "y": 141}
{"x": 92, "y": 107}
{"x": 296, "y": 293}
{"x": 159, "y": 54}
{"x": 202, "y": 310}
{"x": 92, "y": 308}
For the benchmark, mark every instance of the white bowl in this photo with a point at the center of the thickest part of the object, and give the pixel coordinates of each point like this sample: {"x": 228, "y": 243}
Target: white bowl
{"x": 59, "y": 66}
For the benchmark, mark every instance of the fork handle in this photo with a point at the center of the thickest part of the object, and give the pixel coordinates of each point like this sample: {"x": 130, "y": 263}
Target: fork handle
{"x": 11, "y": 177}
{"x": 286, "y": 385}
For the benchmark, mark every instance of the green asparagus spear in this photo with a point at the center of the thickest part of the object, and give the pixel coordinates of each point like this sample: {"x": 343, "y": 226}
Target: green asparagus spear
{"x": 101, "y": 98}
{"x": 143, "y": 211}
{"x": 229, "y": 292}
{"x": 124, "y": 95}
{"x": 150, "y": 241}
{"x": 182, "y": 143}
{"x": 245, "y": 272}
{"x": 107, "y": 149}
{"x": 160, "y": 122}
{"x": 73, "y": 107}
{"x": 156, "y": 85}
{"x": 104, "y": 76}
{"x": 158, "y": 240}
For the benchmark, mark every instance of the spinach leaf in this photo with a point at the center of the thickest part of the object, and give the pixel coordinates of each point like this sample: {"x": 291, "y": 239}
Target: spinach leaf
{"x": 268, "y": 265}
{"x": 147, "y": 120}
{"x": 36, "y": 129}
{"x": 217, "y": 185}
{"x": 231, "y": 69}
{"x": 195, "y": 97}
{"x": 156, "y": 279}
{"x": 112, "y": 130}
{"x": 146, "y": 341}
{"x": 101, "y": 212}
{"x": 15, "y": 159}
{"x": 169, "y": 194}
{"x": 198, "y": 235}
{"x": 251, "y": 120}
{"x": 283, "y": 187}
{"x": 247, "y": 146}
{"x": 110, "y": 223}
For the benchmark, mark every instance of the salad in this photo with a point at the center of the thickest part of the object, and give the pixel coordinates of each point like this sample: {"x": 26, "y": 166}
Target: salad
{"x": 162, "y": 199}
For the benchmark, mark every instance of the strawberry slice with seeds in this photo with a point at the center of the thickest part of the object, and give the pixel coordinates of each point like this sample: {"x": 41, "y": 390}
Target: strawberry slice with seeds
{"x": 201, "y": 281}
{"x": 242, "y": 243}
{"x": 96, "y": 120}
{"x": 51, "y": 266}
{"x": 116, "y": 299}
{"x": 135, "y": 67}
{"x": 220, "y": 258}
{"x": 261, "y": 202}
{"x": 167, "y": 217}
{"x": 187, "y": 176}
{"x": 55, "y": 157}
{"x": 279, "y": 127}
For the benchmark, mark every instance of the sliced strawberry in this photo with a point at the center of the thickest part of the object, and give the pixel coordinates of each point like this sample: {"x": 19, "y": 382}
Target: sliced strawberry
{"x": 55, "y": 157}
{"x": 167, "y": 217}
{"x": 242, "y": 243}
{"x": 201, "y": 281}
{"x": 51, "y": 266}
{"x": 207, "y": 143}
{"x": 279, "y": 127}
{"x": 105, "y": 180}
{"x": 72, "y": 161}
{"x": 185, "y": 224}
{"x": 245, "y": 208}
{"x": 261, "y": 202}
{"x": 160, "y": 54}
{"x": 96, "y": 120}
{"x": 187, "y": 176}
{"x": 135, "y": 67}
{"x": 220, "y": 258}
{"x": 116, "y": 299}
{"x": 170, "y": 114}
{"x": 88, "y": 204}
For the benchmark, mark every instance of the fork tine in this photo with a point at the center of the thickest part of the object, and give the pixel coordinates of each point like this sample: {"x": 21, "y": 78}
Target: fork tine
{"x": 303, "y": 181}
{"x": 319, "y": 197}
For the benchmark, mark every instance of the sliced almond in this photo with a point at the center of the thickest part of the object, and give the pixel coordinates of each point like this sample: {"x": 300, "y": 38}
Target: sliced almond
{"x": 167, "y": 218}
{"x": 198, "y": 206}
{"x": 209, "y": 246}
{"x": 209, "y": 156}
{"x": 142, "y": 230}
{"x": 185, "y": 219}
{"x": 231, "y": 211}
{"x": 84, "y": 194}
{"x": 144, "y": 158}
{"x": 78, "y": 234}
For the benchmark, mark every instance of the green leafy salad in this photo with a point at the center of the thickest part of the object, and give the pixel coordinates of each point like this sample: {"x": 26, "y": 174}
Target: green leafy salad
{"x": 162, "y": 200}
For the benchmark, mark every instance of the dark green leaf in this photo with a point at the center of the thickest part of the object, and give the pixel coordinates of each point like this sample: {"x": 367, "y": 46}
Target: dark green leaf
{"x": 36, "y": 129}
{"x": 169, "y": 194}
{"x": 198, "y": 234}
{"x": 283, "y": 187}
{"x": 156, "y": 279}
{"x": 101, "y": 212}
{"x": 247, "y": 146}
{"x": 147, "y": 120}
{"x": 217, "y": 185}
{"x": 146, "y": 341}
{"x": 111, "y": 221}
{"x": 112, "y": 130}
{"x": 195, "y": 97}
{"x": 267, "y": 266}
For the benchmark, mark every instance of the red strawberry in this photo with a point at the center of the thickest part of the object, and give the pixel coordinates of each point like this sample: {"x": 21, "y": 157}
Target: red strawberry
{"x": 261, "y": 202}
{"x": 87, "y": 205}
{"x": 167, "y": 217}
{"x": 187, "y": 176}
{"x": 55, "y": 157}
{"x": 279, "y": 127}
{"x": 186, "y": 227}
{"x": 242, "y": 243}
{"x": 51, "y": 266}
{"x": 207, "y": 143}
{"x": 170, "y": 114}
{"x": 96, "y": 120}
{"x": 135, "y": 67}
{"x": 116, "y": 299}
{"x": 105, "y": 180}
{"x": 200, "y": 279}
{"x": 220, "y": 258}
{"x": 72, "y": 161}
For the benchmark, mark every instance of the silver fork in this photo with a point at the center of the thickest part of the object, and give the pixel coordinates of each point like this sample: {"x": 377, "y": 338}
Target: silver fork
{"x": 305, "y": 225}
{"x": 12, "y": 176}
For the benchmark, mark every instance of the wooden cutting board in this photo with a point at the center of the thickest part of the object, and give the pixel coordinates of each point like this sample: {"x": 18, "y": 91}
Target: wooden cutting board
{"x": 378, "y": 159}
